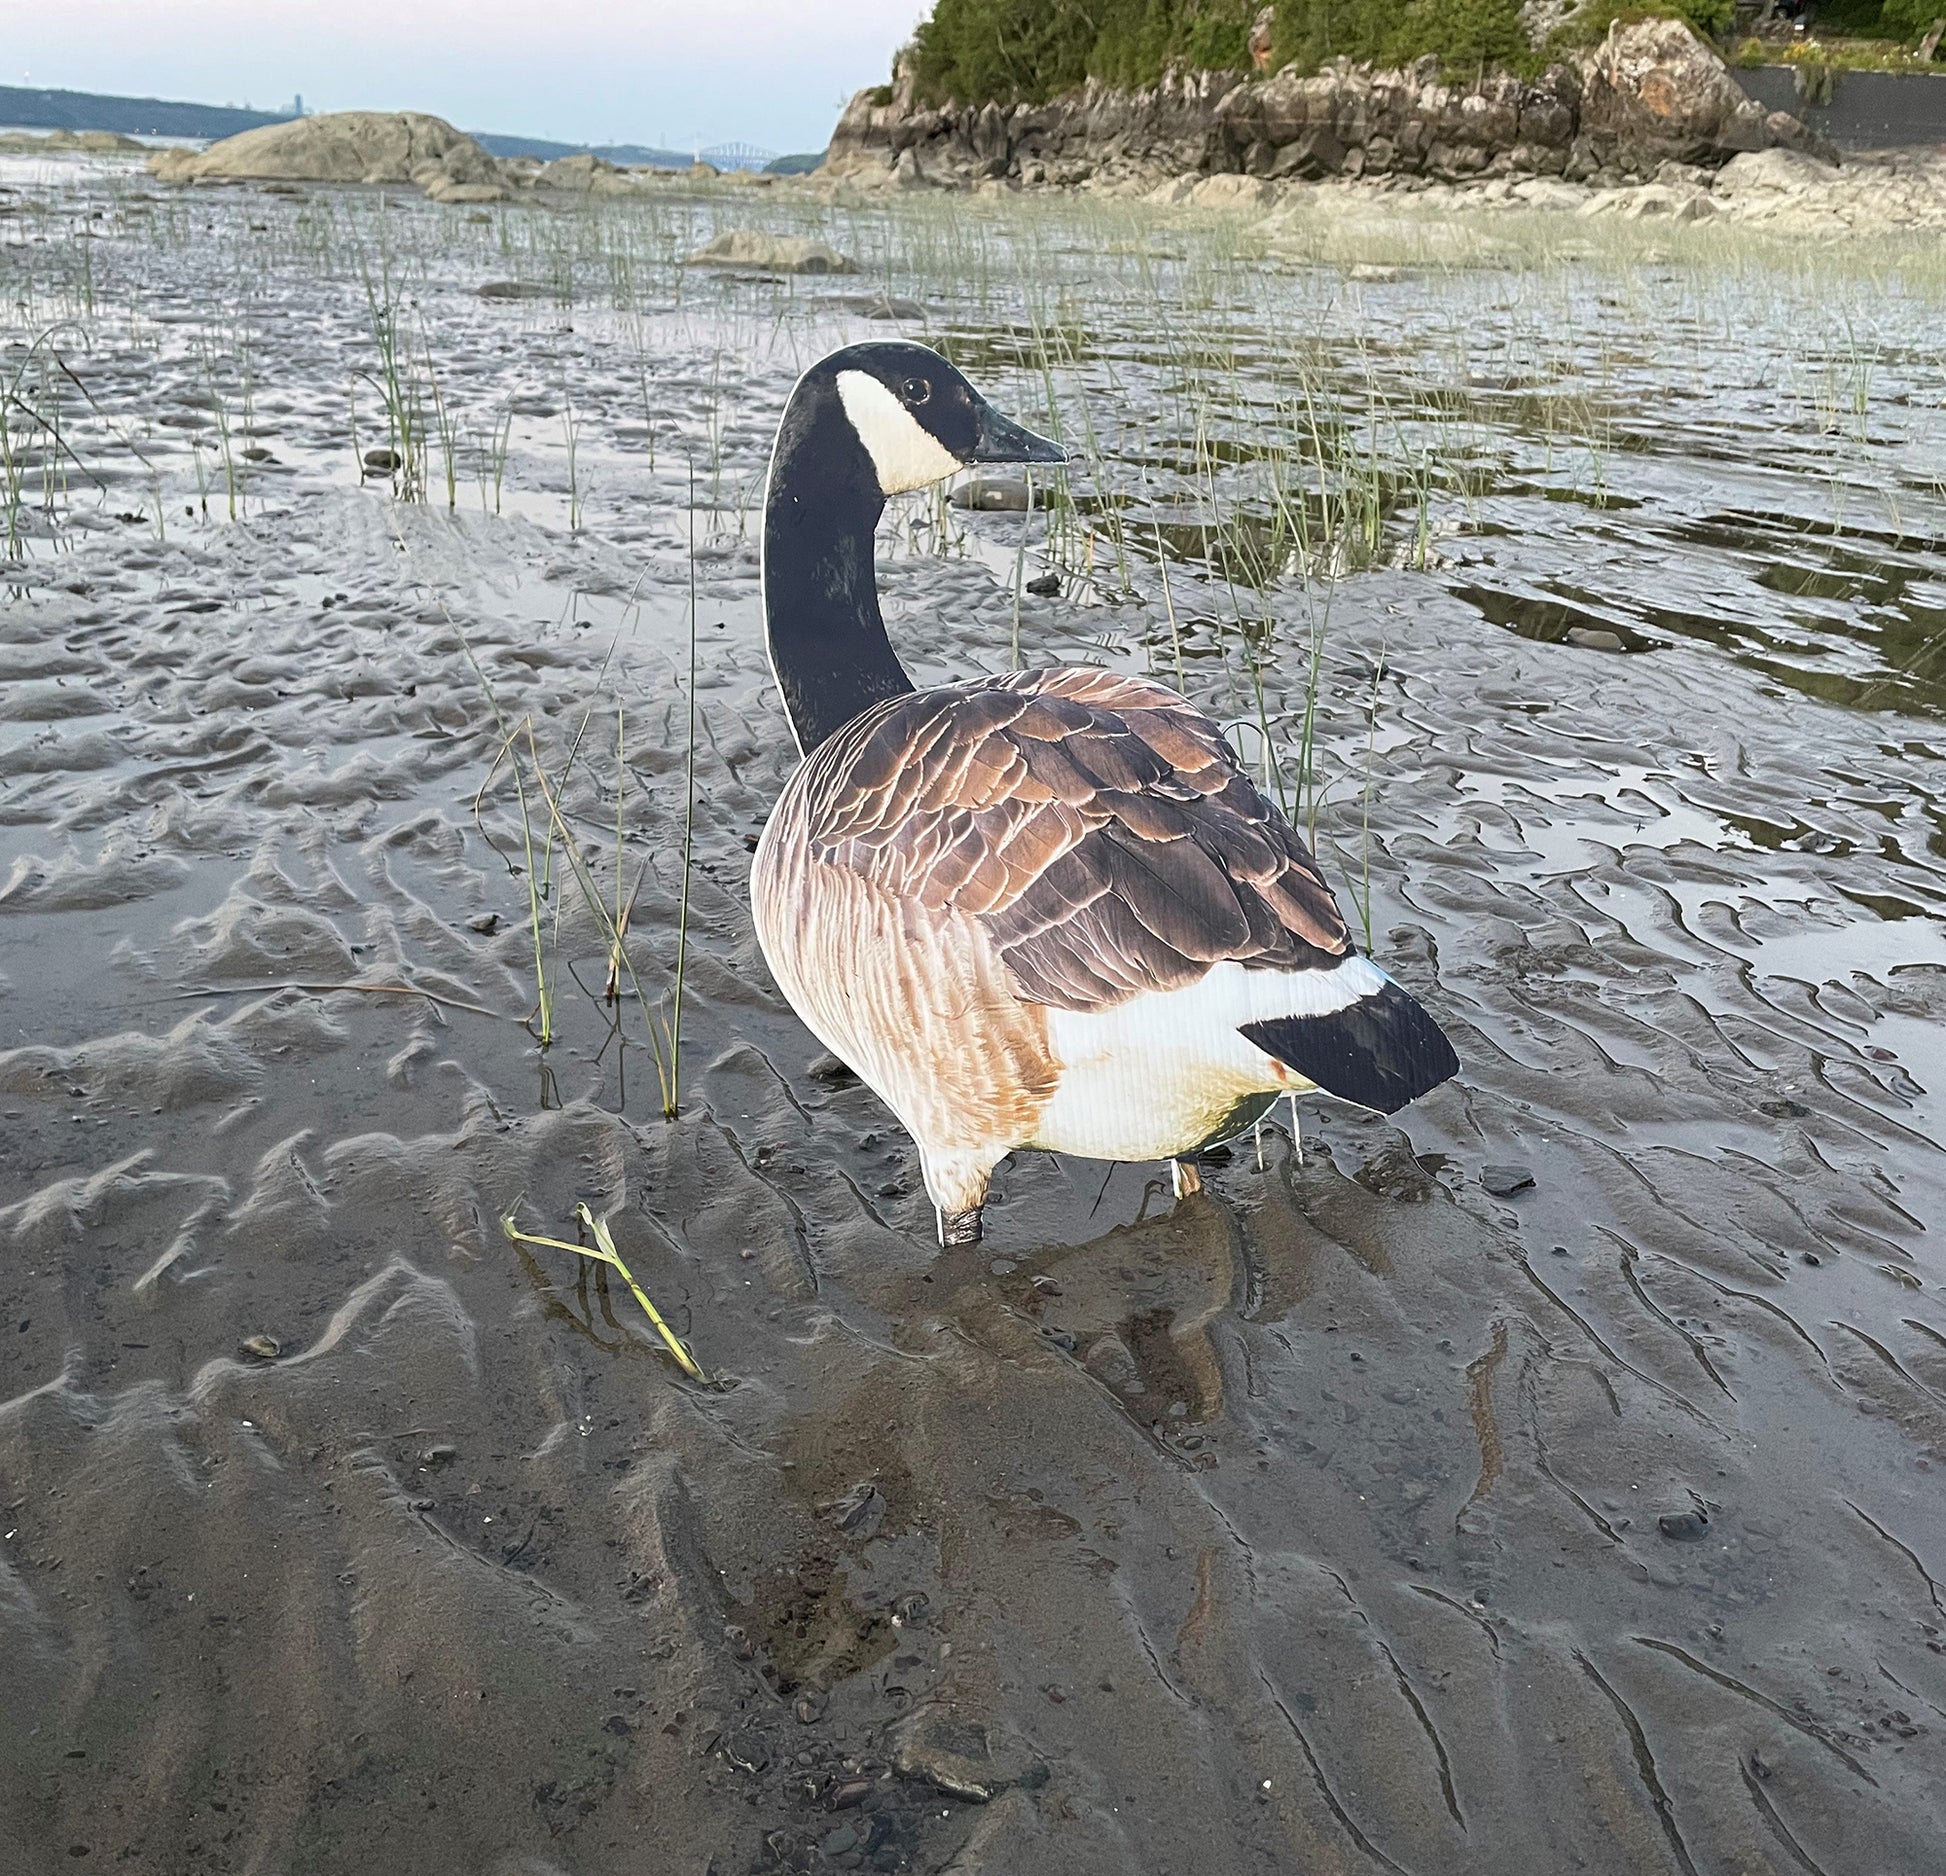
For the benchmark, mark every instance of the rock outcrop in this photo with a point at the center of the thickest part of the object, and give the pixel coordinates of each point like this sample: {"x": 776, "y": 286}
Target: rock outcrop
{"x": 1656, "y": 91}
{"x": 348, "y": 146}
{"x": 1651, "y": 93}
{"x": 69, "y": 142}
{"x": 393, "y": 147}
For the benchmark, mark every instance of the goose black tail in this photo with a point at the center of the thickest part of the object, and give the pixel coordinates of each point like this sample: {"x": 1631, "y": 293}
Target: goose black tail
{"x": 1381, "y": 1051}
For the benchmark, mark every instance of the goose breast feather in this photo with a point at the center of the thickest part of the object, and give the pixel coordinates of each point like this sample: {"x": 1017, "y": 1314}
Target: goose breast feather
{"x": 1096, "y": 827}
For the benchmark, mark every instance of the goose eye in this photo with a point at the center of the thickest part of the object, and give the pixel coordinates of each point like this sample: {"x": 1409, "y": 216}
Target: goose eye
{"x": 915, "y": 390}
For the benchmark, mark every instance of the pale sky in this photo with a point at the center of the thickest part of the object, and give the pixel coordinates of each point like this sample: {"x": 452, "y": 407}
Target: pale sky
{"x": 773, "y": 73}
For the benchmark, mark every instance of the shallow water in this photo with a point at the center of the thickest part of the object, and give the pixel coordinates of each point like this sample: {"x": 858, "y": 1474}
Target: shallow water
{"x": 1349, "y": 1517}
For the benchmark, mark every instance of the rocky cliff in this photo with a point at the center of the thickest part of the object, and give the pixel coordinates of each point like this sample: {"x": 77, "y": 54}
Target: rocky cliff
{"x": 1651, "y": 93}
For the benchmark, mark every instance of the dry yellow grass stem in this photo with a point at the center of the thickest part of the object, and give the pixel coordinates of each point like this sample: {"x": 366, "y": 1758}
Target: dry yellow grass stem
{"x": 604, "y": 1252}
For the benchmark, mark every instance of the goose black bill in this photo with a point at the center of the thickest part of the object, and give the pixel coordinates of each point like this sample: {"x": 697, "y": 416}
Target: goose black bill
{"x": 999, "y": 439}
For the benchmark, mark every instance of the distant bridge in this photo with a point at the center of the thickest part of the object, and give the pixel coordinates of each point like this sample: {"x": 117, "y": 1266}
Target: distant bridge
{"x": 735, "y": 156}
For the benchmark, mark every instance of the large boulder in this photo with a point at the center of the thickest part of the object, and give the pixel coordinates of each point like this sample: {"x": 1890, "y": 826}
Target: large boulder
{"x": 347, "y": 146}
{"x": 1653, "y": 91}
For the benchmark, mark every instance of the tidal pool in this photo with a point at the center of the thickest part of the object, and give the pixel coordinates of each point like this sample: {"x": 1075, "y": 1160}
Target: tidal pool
{"x": 1585, "y": 593}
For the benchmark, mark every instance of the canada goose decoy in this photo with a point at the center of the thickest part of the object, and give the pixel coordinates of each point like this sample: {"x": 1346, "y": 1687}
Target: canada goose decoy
{"x": 1048, "y": 909}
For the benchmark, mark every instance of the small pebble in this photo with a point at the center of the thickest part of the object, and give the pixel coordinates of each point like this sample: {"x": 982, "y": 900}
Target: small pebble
{"x": 384, "y": 460}
{"x": 1044, "y": 585}
{"x": 1683, "y": 1527}
{"x": 860, "y": 1511}
{"x": 262, "y": 1347}
{"x": 1503, "y": 1181}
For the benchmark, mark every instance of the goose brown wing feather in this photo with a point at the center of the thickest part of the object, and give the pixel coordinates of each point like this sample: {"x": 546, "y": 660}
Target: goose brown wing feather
{"x": 1096, "y": 825}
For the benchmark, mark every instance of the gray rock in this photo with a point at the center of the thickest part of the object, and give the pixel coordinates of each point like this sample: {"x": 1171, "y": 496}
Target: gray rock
{"x": 1504, "y": 1181}
{"x": 998, "y": 495}
{"x": 1594, "y": 638}
{"x": 860, "y": 1511}
{"x": 770, "y": 254}
{"x": 963, "y": 1756}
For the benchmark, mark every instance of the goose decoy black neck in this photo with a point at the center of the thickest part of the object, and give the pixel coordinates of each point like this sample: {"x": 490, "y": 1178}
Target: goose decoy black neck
{"x": 863, "y": 424}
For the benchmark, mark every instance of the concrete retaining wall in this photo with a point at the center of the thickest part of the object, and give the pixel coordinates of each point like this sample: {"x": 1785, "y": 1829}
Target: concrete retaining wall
{"x": 1867, "y": 110}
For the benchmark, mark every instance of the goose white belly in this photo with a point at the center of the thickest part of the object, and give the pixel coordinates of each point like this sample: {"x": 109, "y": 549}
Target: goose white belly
{"x": 1157, "y": 1075}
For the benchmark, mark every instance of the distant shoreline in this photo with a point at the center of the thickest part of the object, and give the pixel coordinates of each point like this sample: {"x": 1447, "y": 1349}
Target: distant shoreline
{"x": 29, "y": 109}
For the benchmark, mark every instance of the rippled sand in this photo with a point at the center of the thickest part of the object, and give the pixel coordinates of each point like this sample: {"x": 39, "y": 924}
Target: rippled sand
{"x": 1349, "y": 1517}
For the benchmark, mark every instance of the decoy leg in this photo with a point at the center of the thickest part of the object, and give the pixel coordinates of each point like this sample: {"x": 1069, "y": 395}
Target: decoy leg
{"x": 1297, "y": 1130}
{"x": 958, "y": 1228}
{"x": 956, "y": 1181}
{"x": 1186, "y": 1176}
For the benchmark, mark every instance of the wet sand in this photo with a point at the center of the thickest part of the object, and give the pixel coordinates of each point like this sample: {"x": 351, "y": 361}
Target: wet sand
{"x": 1348, "y": 1517}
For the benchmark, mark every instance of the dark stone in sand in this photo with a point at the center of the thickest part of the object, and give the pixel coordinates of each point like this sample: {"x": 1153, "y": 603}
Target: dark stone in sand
{"x": 963, "y": 1756}
{"x": 876, "y": 306}
{"x": 1783, "y": 1109}
{"x": 747, "y": 1752}
{"x": 514, "y": 290}
{"x": 999, "y": 495}
{"x": 384, "y": 459}
{"x": 1683, "y": 1527}
{"x": 486, "y": 924}
{"x": 1504, "y": 1181}
{"x": 255, "y": 452}
{"x": 1044, "y": 585}
{"x": 860, "y": 1511}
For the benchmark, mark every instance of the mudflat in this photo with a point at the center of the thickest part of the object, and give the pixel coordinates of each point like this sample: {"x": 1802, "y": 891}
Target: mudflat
{"x": 1545, "y": 1481}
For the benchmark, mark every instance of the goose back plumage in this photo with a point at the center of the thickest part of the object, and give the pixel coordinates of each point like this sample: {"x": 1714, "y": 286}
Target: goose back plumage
{"x": 980, "y": 892}
{"x": 1095, "y": 825}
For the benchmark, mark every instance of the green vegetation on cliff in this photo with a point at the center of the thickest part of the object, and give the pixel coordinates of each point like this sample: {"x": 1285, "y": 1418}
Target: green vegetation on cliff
{"x": 973, "y": 50}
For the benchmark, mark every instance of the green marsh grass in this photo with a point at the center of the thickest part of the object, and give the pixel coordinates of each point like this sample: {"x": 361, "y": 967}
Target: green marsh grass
{"x": 1258, "y": 435}
{"x": 603, "y": 1251}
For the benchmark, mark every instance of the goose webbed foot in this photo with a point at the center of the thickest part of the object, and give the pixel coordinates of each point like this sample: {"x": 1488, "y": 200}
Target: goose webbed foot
{"x": 959, "y": 1228}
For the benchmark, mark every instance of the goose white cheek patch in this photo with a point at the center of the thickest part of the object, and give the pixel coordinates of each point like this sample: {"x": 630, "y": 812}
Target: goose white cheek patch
{"x": 904, "y": 452}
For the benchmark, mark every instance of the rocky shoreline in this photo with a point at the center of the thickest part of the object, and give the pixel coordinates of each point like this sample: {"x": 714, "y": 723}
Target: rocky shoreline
{"x": 1652, "y": 93}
